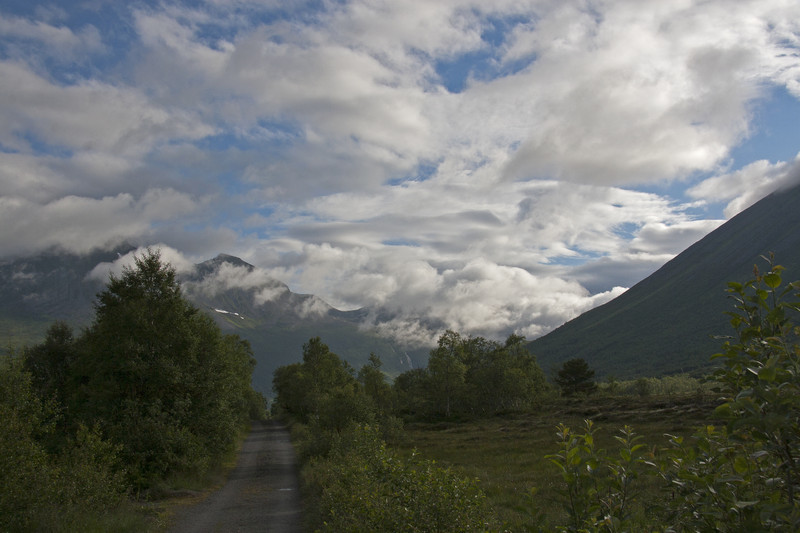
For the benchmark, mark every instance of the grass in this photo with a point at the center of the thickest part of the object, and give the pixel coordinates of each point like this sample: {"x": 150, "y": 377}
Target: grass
{"x": 507, "y": 453}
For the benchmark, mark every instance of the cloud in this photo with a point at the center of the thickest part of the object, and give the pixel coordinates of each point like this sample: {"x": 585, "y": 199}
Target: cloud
{"x": 659, "y": 238}
{"x": 228, "y": 276}
{"x": 632, "y": 95}
{"x": 748, "y": 185}
{"x": 525, "y": 258}
{"x": 481, "y": 298}
{"x": 449, "y": 164}
{"x": 81, "y": 224}
{"x": 176, "y": 259}
{"x": 85, "y": 117}
{"x": 59, "y": 42}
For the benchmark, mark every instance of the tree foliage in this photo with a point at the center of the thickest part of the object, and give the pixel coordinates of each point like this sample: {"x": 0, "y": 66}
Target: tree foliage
{"x": 322, "y": 390}
{"x": 354, "y": 482}
{"x": 46, "y": 489}
{"x": 743, "y": 476}
{"x": 152, "y": 373}
{"x": 158, "y": 376}
{"x": 472, "y": 376}
{"x": 575, "y": 377}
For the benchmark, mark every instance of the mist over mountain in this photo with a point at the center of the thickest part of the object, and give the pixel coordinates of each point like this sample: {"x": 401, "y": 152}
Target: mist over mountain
{"x": 665, "y": 324}
{"x": 670, "y": 321}
{"x": 36, "y": 291}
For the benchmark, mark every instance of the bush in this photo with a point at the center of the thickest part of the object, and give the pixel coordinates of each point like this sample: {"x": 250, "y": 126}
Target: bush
{"x": 44, "y": 490}
{"x": 362, "y": 486}
{"x": 744, "y": 476}
{"x": 599, "y": 489}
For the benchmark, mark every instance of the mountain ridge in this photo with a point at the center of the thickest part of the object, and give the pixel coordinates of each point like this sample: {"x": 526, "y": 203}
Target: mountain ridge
{"x": 667, "y": 323}
{"x": 664, "y": 324}
{"x": 39, "y": 290}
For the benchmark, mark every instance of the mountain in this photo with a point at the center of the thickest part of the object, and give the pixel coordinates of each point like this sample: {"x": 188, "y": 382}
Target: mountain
{"x": 667, "y": 322}
{"x": 36, "y": 291}
{"x": 277, "y": 321}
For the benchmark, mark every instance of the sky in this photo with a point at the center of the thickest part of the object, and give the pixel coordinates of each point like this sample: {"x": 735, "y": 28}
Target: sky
{"x": 489, "y": 167}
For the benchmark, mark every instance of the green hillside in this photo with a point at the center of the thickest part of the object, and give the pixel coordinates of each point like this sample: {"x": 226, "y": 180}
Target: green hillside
{"x": 667, "y": 323}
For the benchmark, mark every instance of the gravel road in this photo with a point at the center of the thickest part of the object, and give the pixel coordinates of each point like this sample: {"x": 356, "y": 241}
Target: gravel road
{"x": 261, "y": 493}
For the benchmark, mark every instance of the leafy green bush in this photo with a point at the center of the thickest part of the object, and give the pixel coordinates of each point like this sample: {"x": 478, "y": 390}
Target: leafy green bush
{"x": 352, "y": 481}
{"x": 599, "y": 489}
{"x": 744, "y": 476}
{"x": 45, "y": 490}
{"x": 362, "y": 486}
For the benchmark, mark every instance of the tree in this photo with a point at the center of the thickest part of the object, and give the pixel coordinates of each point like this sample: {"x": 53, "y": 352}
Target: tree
{"x": 46, "y": 487}
{"x": 575, "y": 377}
{"x": 471, "y": 375}
{"x": 158, "y": 376}
{"x": 503, "y": 376}
{"x": 321, "y": 390}
{"x": 447, "y": 371}
{"x": 374, "y": 382}
{"x": 412, "y": 390}
{"x": 51, "y": 362}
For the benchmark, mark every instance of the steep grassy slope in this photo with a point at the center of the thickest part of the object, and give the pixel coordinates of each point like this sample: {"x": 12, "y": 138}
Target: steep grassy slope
{"x": 666, "y": 323}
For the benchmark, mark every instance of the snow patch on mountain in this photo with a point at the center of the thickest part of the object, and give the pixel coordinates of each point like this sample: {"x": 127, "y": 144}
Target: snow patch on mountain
{"x": 224, "y": 312}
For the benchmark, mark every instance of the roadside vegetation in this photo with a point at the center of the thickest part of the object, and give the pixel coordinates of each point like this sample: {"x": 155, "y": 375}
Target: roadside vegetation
{"x": 150, "y": 395}
{"x": 511, "y": 452}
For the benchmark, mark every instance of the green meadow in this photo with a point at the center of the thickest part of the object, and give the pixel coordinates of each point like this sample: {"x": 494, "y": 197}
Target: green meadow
{"x": 507, "y": 453}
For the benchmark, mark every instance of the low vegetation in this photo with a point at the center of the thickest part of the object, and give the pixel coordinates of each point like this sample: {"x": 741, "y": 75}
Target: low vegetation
{"x": 668, "y": 454}
{"x": 353, "y": 481}
{"x": 508, "y": 453}
{"x": 151, "y": 391}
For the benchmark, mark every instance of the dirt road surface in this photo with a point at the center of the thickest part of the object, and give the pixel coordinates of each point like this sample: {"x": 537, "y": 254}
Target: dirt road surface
{"x": 261, "y": 493}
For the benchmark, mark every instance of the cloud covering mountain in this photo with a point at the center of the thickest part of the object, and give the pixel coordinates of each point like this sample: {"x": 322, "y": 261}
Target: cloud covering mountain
{"x": 485, "y": 167}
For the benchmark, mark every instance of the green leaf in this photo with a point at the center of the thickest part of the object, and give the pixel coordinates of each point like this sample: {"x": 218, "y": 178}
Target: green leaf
{"x": 723, "y": 411}
{"x": 741, "y": 465}
{"x": 772, "y": 280}
{"x": 745, "y": 504}
{"x": 767, "y": 373}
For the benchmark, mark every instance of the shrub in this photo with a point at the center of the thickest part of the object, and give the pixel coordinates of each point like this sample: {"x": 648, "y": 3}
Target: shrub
{"x": 363, "y": 486}
{"x": 44, "y": 490}
{"x": 599, "y": 489}
{"x": 744, "y": 476}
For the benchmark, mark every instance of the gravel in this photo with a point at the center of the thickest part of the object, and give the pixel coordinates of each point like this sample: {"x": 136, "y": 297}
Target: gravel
{"x": 261, "y": 494}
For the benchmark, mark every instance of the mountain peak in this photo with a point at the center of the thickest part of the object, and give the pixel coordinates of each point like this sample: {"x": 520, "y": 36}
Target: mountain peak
{"x": 231, "y": 259}
{"x": 212, "y": 265}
